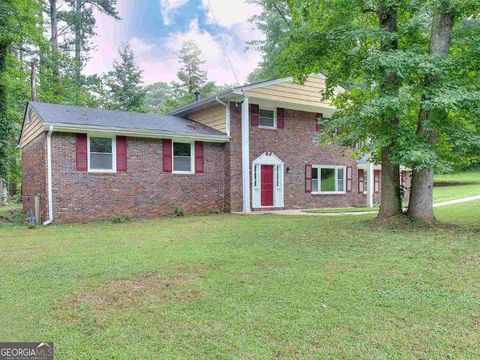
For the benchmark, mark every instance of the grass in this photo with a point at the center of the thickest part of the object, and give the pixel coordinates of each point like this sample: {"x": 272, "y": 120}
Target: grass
{"x": 230, "y": 286}
{"x": 342, "y": 210}
{"x": 455, "y": 186}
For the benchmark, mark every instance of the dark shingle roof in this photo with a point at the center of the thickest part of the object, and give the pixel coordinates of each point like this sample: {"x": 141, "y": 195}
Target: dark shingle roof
{"x": 82, "y": 116}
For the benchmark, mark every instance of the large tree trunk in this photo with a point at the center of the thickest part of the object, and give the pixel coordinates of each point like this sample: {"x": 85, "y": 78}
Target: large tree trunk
{"x": 78, "y": 41}
{"x": 420, "y": 206}
{"x": 54, "y": 44}
{"x": 390, "y": 201}
{"x": 4, "y": 125}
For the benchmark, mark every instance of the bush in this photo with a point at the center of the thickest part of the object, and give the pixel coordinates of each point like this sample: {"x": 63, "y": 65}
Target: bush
{"x": 120, "y": 219}
{"x": 215, "y": 210}
{"x": 178, "y": 212}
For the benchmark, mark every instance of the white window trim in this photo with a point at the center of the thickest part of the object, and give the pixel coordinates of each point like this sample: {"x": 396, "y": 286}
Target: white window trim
{"x": 114, "y": 154}
{"x": 274, "y": 109}
{"x": 192, "y": 158}
{"x": 319, "y": 167}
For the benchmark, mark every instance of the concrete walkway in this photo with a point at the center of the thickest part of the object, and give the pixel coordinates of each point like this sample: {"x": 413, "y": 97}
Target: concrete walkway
{"x": 302, "y": 212}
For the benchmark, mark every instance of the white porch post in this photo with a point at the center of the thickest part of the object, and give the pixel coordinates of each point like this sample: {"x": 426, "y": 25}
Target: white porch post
{"x": 370, "y": 184}
{"x": 245, "y": 156}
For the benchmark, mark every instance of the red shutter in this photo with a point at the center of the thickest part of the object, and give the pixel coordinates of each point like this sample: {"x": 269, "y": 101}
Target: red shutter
{"x": 121, "y": 153}
{"x": 361, "y": 181}
{"x": 199, "y": 157}
{"x": 280, "y": 118}
{"x": 318, "y": 122}
{"x": 308, "y": 178}
{"x": 81, "y": 152}
{"x": 167, "y": 155}
{"x": 349, "y": 179}
{"x": 254, "y": 115}
{"x": 376, "y": 178}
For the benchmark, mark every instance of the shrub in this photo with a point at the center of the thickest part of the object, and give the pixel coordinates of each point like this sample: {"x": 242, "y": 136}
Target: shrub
{"x": 178, "y": 212}
{"x": 215, "y": 210}
{"x": 120, "y": 219}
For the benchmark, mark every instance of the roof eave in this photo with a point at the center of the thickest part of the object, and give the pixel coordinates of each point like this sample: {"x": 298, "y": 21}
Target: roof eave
{"x": 137, "y": 133}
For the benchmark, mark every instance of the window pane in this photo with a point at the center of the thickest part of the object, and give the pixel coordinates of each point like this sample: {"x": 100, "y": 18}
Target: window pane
{"x": 266, "y": 118}
{"x": 340, "y": 175}
{"x": 315, "y": 180}
{"x": 182, "y": 163}
{"x": 181, "y": 149}
{"x": 327, "y": 181}
{"x": 101, "y": 161}
{"x": 182, "y": 160}
{"x": 100, "y": 145}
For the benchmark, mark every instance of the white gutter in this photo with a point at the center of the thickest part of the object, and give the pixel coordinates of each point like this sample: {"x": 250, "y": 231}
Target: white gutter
{"x": 245, "y": 155}
{"x": 138, "y": 133}
{"x": 49, "y": 176}
{"x": 227, "y": 115}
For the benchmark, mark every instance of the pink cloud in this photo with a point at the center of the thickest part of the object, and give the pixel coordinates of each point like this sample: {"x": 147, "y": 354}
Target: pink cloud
{"x": 159, "y": 58}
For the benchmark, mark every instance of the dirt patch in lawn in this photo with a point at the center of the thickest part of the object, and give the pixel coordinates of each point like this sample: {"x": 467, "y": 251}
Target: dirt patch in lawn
{"x": 132, "y": 293}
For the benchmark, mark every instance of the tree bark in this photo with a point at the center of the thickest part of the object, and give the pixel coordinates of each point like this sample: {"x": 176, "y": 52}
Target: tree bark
{"x": 78, "y": 40}
{"x": 4, "y": 125}
{"x": 54, "y": 44}
{"x": 420, "y": 206}
{"x": 390, "y": 200}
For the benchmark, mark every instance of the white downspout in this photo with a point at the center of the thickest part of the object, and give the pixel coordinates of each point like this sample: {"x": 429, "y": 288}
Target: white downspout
{"x": 245, "y": 155}
{"x": 370, "y": 184}
{"x": 49, "y": 176}
{"x": 227, "y": 115}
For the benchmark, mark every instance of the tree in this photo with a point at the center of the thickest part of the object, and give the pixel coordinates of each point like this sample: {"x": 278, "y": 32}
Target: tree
{"x": 81, "y": 20}
{"x": 400, "y": 97}
{"x": 191, "y": 77}
{"x": 274, "y": 22}
{"x": 124, "y": 82}
{"x": 449, "y": 84}
{"x": 18, "y": 24}
{"x": 355, "y": 43}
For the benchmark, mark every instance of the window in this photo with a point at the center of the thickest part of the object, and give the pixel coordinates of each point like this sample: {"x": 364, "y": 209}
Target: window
{"x": 182, "y": 157}
{"x": 328, "y": 179}
{"x": 267, "y": 118}
{"x": 101, "y": 154}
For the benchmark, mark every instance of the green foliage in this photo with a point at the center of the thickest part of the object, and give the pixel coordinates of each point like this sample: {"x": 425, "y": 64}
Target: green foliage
{"x": 178, "y": 211}
{"x": 124, "y": 83}
{"x": 120, "y": 219}
{"x": 191, "y": 77}
{"x": 274, "y": 22}
{"x": 342, "y": 39}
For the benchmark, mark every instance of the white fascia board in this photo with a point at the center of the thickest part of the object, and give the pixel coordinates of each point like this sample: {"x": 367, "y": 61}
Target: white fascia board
{"x": 138, "y": 133}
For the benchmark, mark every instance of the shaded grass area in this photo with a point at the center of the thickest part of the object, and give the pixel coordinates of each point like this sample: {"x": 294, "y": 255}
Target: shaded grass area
{"x": 243, "y": 286}
{"x": 455, "y": 186}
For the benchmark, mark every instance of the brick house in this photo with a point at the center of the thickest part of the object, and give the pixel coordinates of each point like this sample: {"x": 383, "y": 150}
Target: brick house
{"x": 248, "y": 148}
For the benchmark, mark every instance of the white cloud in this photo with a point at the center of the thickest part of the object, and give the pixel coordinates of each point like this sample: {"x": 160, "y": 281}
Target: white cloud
{"x": 167, "y": 7}
{"x": 162, "y": 65}
{"x": 228, "y": 13}
{"x": 158, "y": 58}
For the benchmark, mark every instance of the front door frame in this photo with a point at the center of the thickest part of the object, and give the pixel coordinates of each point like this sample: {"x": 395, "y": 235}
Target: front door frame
{"x": 268, "y": 158}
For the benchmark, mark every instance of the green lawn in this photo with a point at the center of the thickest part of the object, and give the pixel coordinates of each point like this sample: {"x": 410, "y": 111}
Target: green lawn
{"x": 455, "y": 186}
{"x": 342, "y": 210}
{"x": 230, "y": 286}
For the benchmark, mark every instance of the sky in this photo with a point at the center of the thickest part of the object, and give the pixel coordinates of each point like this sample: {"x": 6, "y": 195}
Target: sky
{"x": 156, "y": 30}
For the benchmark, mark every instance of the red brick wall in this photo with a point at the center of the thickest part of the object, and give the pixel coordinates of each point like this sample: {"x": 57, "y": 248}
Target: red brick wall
{"x": 34, "y": 167}
{"x": 143, "y": 191}
{"x": 296, "y": 146}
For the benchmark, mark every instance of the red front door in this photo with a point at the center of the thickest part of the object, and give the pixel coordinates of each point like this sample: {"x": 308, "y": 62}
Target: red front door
{"x": 267, "y": 185}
